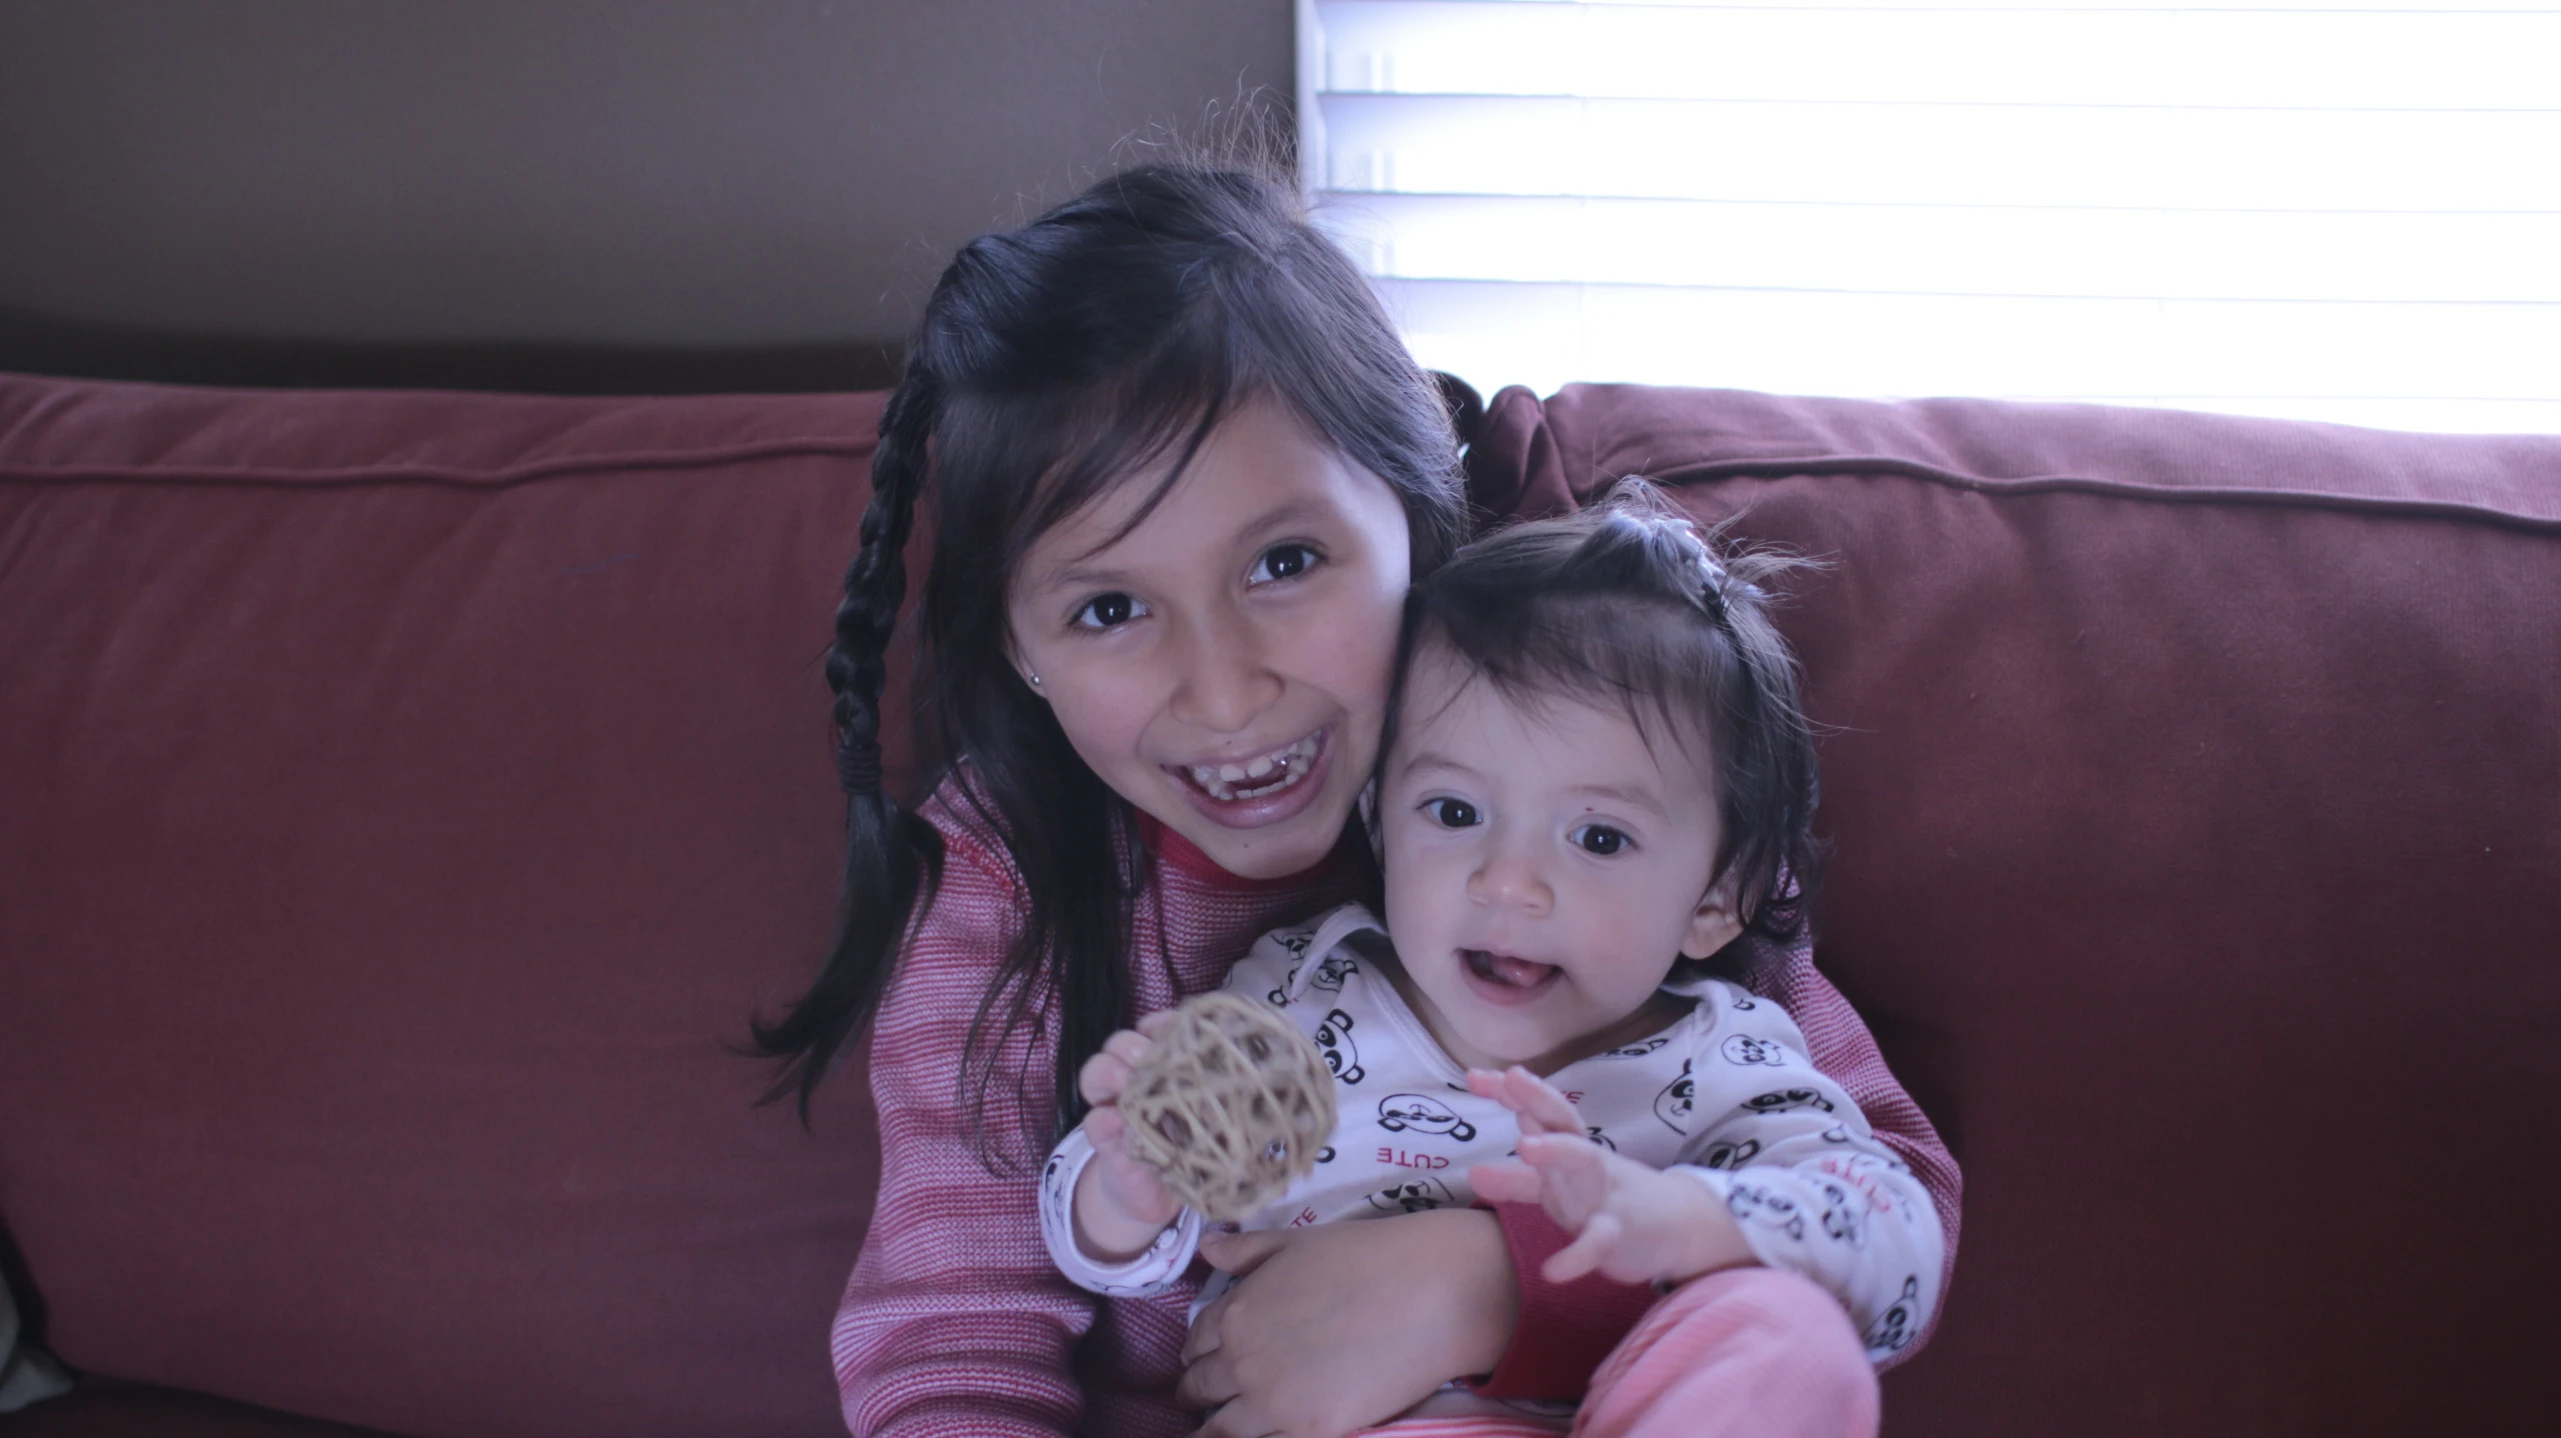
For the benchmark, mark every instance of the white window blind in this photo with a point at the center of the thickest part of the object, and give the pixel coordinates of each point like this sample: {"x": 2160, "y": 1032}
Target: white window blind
{"x": 2333, "y": 210}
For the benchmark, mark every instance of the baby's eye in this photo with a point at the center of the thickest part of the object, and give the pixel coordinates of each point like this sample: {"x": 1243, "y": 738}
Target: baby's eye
{"x": 1453, "y": 813}
{"x": 1282, "y": 561}
{"x": 1107, "y": 611}
{"x": 1599, "y": 839}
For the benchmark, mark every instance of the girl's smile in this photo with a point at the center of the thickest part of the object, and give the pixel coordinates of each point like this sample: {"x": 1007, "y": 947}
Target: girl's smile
{"x": 1219, "y": 650}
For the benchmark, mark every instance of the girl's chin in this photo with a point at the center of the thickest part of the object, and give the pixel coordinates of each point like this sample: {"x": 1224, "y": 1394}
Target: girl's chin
{"x": 1275, "y": 845}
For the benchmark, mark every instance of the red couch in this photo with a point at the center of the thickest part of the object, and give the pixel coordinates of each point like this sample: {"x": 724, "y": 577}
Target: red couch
{"x": 404, "y": 798}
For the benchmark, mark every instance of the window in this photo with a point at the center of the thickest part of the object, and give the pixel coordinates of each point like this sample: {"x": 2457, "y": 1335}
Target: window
{"x": 2337, "y": 210}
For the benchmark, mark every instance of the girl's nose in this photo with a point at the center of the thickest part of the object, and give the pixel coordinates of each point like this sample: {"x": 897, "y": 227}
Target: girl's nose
{"x": 1225, "y": 684}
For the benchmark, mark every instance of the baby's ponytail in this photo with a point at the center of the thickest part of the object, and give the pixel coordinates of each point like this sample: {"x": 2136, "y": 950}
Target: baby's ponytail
{"x": 892, "y": 855}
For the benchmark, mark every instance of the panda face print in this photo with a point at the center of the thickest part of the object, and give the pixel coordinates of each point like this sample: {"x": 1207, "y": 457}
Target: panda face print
{"x": 1672, "y": 1105}
{"x": 1746, "y": 1050}
{"x": 1401, "y": 1111}
{"x": 1751, "y": 1203}
{"x": 1893, "y": 1328}
{"x": 1787, "y": 1101}
{"x": 1729, "y": 1155}
{"x": 1638, "y": 1050}
{"x": 1329, "y": 976}
{"x": 1413, "y": 1196}
{"x": 1845, "y": 1215}
{"x": 1334, "y": 1037}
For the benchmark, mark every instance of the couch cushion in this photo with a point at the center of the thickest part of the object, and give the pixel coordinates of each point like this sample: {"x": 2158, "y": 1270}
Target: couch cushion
{"x": 408, "y": 798}
{"x": 2197, "y": 791}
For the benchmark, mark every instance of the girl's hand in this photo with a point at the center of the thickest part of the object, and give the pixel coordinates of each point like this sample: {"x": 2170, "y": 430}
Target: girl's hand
{"x": 1345, "y": 1325}
{"x": 1120, "y": 1204}
{"x": 1631, "y": 1223}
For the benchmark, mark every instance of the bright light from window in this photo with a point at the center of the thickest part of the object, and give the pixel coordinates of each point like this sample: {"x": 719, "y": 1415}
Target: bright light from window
{"x": 2338, "y": 210}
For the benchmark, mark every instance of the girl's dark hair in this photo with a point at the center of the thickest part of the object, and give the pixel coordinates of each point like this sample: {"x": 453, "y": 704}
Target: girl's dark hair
{"x": 1054, "y": 361}
{"x": 1630, "y": 603}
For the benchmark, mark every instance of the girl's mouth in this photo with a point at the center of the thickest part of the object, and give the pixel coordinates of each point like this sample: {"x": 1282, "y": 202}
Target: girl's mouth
{"x": 1259, "y": 777}
{"x": 1508, "y": 975}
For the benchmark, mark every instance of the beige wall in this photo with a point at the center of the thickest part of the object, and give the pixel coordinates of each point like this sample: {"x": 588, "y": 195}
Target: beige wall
{"x": 652, "y": 172}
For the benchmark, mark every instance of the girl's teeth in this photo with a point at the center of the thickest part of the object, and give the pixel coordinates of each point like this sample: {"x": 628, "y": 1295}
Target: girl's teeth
{"x": 1219, "y": 781}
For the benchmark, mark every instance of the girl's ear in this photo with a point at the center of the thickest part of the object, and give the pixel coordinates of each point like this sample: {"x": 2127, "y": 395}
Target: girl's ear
{"x": 1714, "y": 923}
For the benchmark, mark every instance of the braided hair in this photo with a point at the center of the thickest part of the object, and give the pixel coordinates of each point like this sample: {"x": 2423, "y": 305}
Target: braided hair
{"x": 1053, "y": 362}
{"x": 1630, "y": 603}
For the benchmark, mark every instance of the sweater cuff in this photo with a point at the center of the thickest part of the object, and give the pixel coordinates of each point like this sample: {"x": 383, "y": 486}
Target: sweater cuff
{"x": 1565, "y": 1329}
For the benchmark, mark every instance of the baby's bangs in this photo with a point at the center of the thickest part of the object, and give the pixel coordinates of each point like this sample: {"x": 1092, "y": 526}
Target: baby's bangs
{"x": 1648, "y": 662}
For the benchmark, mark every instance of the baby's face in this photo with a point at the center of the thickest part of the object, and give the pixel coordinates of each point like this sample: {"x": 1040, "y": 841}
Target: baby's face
{"x": 1545, "y": 865}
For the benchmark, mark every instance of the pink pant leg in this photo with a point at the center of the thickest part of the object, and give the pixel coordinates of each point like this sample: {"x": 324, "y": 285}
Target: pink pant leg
{"x": 1746, "y": 1353}
{"x": 1749, "y": 1351}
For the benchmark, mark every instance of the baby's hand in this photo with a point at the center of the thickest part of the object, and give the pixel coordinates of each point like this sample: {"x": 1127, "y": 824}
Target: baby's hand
{"x": 1631, "y": 1223}
{"x": 1120, "y": 1204}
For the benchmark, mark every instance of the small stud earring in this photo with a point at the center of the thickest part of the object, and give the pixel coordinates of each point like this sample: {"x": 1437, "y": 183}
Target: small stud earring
{"x": 1035, "y": 679}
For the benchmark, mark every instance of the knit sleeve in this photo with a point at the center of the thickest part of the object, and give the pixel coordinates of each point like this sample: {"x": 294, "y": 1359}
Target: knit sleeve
{"x": 955, "y": 1321}
{"x": 1838, "y": 1042}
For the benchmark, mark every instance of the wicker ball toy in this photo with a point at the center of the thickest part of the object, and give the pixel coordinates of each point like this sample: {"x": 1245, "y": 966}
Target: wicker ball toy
{"x": 1231, "y": 1105}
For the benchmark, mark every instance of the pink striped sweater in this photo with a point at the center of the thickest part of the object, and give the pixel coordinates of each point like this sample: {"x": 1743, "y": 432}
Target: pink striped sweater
{"x": 955, "y": 1321}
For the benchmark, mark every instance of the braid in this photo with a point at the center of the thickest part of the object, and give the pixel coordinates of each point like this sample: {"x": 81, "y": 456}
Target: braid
{"x": 891, "y": 855}
{"x": 876, "y": 582}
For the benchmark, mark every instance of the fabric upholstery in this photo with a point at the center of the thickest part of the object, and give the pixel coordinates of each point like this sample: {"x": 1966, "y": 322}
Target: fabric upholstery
{"x": 409, "y": 798}
{"x": 404, "y": 798}
{"x": 2196, "y": 792}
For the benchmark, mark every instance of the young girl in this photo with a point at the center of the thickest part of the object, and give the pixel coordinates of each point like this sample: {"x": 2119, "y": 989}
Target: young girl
{"x": 1181, "y": 472}
{"x": 1598, "y": 779}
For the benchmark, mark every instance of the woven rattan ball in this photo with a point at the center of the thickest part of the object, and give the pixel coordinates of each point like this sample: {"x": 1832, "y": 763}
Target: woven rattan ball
{"x": 1230, "y": 1106}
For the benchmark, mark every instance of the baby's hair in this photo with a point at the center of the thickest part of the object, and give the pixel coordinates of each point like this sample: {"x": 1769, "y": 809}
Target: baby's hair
{"x": 1053, "y": 362}
{"x": 1630, "y": 603}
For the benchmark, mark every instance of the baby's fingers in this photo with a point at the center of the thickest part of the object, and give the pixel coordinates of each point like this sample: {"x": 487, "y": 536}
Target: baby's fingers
{"x": 1540, "y": 1107}
{"x": 1573, "y": 1175}
{"x": 1106, "y": 1074}
{"x": 1589, "y": 1250}
{"x": 1505, "y": 1180}
{"x": 1102, "y": 1078}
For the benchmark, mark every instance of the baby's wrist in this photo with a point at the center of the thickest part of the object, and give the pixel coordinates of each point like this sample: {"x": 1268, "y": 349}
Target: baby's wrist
{"x": 1106, "y": 1232}
{"x": 1710, "y": 1238}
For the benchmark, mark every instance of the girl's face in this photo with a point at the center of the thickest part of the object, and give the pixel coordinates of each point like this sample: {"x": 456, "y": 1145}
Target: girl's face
{"x": 1544, "y": 867}
{"x": 1224, "y": 665}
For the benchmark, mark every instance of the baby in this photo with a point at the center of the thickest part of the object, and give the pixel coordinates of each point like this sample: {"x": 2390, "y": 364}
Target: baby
{"x": 1595, "y": 790}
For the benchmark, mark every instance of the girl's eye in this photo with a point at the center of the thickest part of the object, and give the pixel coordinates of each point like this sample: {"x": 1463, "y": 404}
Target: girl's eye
{"x": 1599, "y": 839}
{"x": 1282, "y": 561}
{"x": 1107, "y": 611}
{"x": 1453, "y": 813}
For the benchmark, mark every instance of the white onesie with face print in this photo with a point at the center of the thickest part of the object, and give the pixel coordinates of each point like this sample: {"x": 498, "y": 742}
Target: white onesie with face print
{"x": 1724, "y": 1094}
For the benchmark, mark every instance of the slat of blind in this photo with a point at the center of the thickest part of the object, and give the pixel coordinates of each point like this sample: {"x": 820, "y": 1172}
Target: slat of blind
{"x": 2188, "y": 254}
{"x": 2346, "y": 211}
{"x": 1884, "y": 344}
{"x": 1943, "y": 155}
{"x": 2120, "y": 55}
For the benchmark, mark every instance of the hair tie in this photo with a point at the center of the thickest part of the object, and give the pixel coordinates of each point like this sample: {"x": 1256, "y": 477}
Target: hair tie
{"x": 858, "y": 766}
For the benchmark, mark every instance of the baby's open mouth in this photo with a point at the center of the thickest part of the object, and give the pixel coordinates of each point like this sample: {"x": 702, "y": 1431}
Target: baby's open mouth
{"x": 1254, "y": 778}
{"x": 1511, "y": 971}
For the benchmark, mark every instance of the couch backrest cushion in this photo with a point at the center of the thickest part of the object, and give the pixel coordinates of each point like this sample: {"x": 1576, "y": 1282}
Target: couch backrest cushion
{"x": 2196, "y": 784}
{"x": 407, "y": 798}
